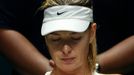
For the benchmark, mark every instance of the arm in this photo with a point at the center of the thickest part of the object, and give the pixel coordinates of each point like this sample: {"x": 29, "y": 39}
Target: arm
{"x": 22, "y": 53}
{"x": 119, "y": 59}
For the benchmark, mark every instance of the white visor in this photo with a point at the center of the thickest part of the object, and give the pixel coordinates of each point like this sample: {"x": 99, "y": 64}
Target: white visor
{"x": 66, "y": 18}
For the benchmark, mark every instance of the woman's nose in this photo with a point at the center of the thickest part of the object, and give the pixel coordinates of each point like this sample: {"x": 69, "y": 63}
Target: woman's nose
{"x": 66, "y": 49}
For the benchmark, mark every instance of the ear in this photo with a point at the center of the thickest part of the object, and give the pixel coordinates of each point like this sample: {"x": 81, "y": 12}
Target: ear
{"x": 92, "y": 32}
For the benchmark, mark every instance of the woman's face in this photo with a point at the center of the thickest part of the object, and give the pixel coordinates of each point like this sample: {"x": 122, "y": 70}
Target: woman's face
{"x": 69, "y": 50}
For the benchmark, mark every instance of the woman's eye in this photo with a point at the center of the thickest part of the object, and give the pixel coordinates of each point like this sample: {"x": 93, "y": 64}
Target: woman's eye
{"x": 56, "y": 39}
{"x": 76, "y": 38}
{"x": 53, "y": 38}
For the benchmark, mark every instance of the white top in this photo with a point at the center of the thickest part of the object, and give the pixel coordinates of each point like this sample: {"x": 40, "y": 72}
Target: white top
{"x": 49, "y": 73}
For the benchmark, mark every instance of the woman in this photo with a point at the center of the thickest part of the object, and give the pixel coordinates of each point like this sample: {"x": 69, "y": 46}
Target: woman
{"x": 69, "y": 33}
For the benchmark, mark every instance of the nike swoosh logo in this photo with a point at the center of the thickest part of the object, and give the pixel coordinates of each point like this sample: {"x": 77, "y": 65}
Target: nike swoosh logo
{"x": 59, "y": 13}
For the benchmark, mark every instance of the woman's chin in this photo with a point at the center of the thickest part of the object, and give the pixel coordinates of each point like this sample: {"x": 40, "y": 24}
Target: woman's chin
{"x": 67, "y": 68}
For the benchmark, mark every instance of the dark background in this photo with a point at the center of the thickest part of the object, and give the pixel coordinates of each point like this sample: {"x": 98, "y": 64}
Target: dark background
{"x": 113, "y": 19}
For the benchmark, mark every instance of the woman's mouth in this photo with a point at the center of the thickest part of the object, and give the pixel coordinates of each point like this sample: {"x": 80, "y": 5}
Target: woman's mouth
{"x": 69, "y": 60}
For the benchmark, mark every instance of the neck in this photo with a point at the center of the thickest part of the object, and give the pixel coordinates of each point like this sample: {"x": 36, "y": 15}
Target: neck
{"x": 80, "y": 71}
{"x": 74, "y": 73}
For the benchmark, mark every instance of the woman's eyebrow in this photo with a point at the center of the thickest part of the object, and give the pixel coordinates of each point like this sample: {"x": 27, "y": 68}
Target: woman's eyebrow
{"x": 54, "y": 33}
{"x": 79, "y": 33}
{"x": 75, "y": 33}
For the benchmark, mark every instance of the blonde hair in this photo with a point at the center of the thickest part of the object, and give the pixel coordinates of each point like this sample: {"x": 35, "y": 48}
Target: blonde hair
{"x": 85, "y": 3}
{"x": 49, "y": 3}
{"x": 92, "y": 55}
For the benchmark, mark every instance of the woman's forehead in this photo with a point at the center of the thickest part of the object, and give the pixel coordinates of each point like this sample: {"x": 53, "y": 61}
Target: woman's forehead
{"x": 65, "y": 33}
